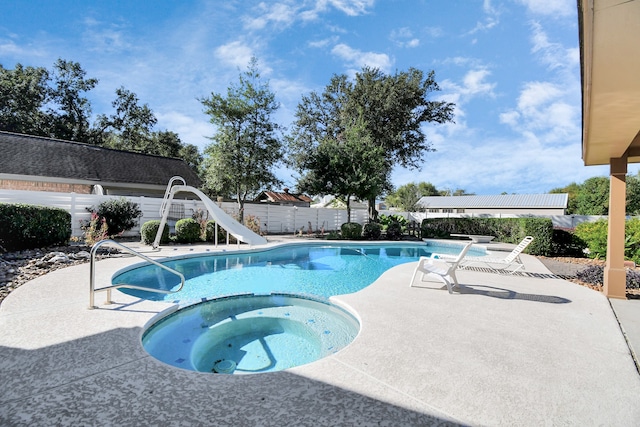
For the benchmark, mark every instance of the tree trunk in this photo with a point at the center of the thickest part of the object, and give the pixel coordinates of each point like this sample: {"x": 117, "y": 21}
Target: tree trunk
{"x": 373, "y": 213}
{"x": 240, "y": 199}
{"x": 348, "y": 208}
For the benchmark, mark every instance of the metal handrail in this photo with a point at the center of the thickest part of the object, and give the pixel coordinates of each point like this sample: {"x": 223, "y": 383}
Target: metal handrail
{"x": 92, "y": 274}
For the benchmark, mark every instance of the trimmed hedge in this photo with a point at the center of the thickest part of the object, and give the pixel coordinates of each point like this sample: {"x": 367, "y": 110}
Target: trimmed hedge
{"x": 149, "y": 230}
{"x": 188, "y": 231}
{"x": 28, "y": 226}
{"x": 351, "y": 230}
{"x": 507, "y": 230}
{"x": 372, "y": 231}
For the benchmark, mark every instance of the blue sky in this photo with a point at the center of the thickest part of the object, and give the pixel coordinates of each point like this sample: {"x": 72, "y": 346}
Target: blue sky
{"x": 510, "y": 66}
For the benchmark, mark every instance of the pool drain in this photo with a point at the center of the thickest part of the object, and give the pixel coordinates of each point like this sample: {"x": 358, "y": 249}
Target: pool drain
{"x": 224, "y": 367}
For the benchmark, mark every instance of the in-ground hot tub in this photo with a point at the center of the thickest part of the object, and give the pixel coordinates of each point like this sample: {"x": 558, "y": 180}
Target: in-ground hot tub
{"x": 250, "y": 334}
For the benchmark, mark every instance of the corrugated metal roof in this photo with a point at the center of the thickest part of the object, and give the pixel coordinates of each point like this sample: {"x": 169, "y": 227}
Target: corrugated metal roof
{"x": 510, "y": 201}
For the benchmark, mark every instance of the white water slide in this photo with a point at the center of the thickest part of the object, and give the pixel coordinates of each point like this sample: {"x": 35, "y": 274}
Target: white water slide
{"x": 222, "y": 219}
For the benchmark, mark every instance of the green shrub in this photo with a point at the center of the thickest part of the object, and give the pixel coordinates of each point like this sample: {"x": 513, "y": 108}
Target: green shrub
{"x": 187, "y": 231}
{"x": 351, "y": 230}
{"x": 594, "y": 234}
{"x": 27, "y": 226}
{"x": 632, "y": 240}
{"x": 149, "y": 230}
{"x": 386, "y": 220}
{"x": 252, "y": 222}
{"x": 566, "y": 243}
{"x": 120, "y": 214}
{"x": 372, "y": 231}
{"x": 508, "y": 230}
{"x": 95, "y": 230}
{"x": 333, "y": 235}
{"x": 394, "y": 231}
{"x": 211, "y": 230}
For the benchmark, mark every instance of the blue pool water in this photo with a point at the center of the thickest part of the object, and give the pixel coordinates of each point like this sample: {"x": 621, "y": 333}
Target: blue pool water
{"x": 318, "y": 270}
{"x": 250, "y": 334}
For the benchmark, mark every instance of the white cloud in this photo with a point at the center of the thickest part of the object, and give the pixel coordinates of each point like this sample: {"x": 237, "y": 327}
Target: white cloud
{"x": 9, "y": 48}
{"x": 280, "y": 14}
{"x": 101, "y": 37}
{"x": 358, "y": 59}
{"x": 491, "y": 18}
{"x": 474, "y": 83}
{"x": 324, "y": 42}
{"x": 349, "y": 7}
{"x": 554, "y": 55}
{"x": 403, "y": 37}
{"x": 235, "y": 53}
{"x": 191, "y": 131}
{"x": 554, "y": 8}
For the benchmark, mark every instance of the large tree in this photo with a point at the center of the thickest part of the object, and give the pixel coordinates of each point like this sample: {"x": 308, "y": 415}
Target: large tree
{"x": 347, "y": 166}
{"x": 406, "y": 197}
{"x": 130, "y": 127}
{"x": 24, "y": 92}
{"x": 246, "y": 146}
{"x": 394, "y": 109}
{"x": 71, "y": 111}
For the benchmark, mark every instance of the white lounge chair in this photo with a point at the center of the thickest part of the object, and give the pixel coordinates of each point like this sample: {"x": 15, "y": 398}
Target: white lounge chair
{"x": 442, "y": 269}
{"x": 510, "y": 263}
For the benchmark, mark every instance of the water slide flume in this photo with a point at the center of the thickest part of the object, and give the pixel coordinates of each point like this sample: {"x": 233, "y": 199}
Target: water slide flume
{"x": 222, "y": 219}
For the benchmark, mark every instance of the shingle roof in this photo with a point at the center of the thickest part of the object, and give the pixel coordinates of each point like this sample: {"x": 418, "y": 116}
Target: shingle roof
{"x": 47, "y": 157}
{"x": 557, "y": 201}
{"x": 274, "y": 196}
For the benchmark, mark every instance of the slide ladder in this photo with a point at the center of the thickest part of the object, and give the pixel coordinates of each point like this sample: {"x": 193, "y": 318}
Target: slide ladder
{"x": 224, "y": 220}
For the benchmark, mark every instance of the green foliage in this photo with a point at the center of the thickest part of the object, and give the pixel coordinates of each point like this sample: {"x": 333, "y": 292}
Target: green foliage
{"x": 149, "y": 230}
{"x": 593, "y": 197}
{"x": 345, "y": 167}
{"x": 508, "y": 230}
{"x": 210, "y": 232}
{"x": 594, "y": 234}
{"x": 386, "y": 220}
{"x": 246, "y": 146}
{"x": 23, "y": 95}
{"x": 120, "y": 215}
{"x": 35, "y": 101}
{"x": 188, "y": 231}
{"x": 407, "y": 196}
{"x": 372, "y": 231}
{"x": 334, "y": 235}
{"x": 393, "y": 231}
{"x": 28, "y": 226}
{"x": 252, "y": 222}
{"x": 572, "y": 190}
{"x": 95, "y": 230}
{"x": 395, "y": 108}
{"x": 632, "y": 240}
{"x": 567, "y": 243}
{"x": 351, "y": 231}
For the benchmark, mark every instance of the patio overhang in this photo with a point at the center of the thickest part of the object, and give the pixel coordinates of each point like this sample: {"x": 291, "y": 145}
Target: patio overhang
{"x": 610, "y": 63}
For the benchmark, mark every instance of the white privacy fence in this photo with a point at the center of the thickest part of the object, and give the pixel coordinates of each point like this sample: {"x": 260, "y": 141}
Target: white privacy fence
{"x": 274, "y": 219}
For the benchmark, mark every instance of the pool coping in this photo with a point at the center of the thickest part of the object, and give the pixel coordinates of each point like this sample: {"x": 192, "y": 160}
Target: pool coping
{"x": 506, "y": 350}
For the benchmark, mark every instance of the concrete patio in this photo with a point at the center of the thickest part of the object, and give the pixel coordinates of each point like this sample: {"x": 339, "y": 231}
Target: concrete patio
{"x": 507, "y": 350}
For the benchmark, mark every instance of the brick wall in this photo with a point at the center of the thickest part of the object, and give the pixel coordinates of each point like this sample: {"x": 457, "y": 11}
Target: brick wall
{"x": 11, "y": 184}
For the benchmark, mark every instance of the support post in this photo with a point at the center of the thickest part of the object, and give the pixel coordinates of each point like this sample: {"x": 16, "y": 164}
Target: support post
{"x": 615, "y": 275}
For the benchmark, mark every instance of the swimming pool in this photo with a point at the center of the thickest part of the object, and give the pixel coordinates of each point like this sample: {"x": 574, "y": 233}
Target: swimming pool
{"x": 319, "y": 270}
